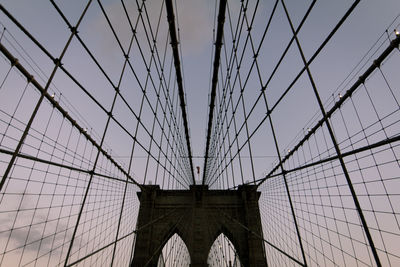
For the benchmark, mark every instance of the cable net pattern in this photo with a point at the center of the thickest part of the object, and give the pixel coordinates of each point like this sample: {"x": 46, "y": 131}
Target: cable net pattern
{"x": 89, "y": 116}
{"x": 79, "y": 136}
{"x": 329, "y": 195}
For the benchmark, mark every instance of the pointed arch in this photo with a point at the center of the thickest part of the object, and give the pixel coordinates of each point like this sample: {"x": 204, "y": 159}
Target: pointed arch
{"x": 174, "y": 253}
{"x": 223, "y": 252}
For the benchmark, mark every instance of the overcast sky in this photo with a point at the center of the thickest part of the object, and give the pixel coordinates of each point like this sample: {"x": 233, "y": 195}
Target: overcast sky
{"x": 196, "y": 19}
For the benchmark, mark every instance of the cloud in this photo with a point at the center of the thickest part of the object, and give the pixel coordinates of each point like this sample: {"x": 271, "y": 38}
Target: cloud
{"x": 37, "y": 236}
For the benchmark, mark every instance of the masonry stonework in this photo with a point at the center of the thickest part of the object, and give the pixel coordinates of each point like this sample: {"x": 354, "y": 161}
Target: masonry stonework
{"x": 199, "y": 216}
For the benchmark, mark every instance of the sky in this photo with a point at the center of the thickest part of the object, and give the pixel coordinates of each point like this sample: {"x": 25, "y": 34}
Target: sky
{"x": 350, "y": 43}
{"x": 196, "y": 20}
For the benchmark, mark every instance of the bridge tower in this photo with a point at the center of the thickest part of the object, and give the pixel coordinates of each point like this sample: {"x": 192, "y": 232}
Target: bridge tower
{"x": 198, "y": 216}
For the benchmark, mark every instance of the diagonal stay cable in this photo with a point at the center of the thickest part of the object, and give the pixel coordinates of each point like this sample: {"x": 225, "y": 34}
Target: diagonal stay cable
{"x": 123, "y": 237}
{"x": 62, "y": 111}
{"x": 312, "y": 58}
{"x": 376, "y": 63}
{"x": 148, "y": 77}
{"x": 143, "y": 88}
{"x": 174, "y": 45}
{"x": 73, "y": 29}
{"x": 254, "y": 63}
{"x": 169, "y": 233}
{"x": 160, "y": 70}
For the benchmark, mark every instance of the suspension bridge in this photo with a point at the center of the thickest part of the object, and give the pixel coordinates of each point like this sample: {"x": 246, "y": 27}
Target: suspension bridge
{"x": 199, "y": 133}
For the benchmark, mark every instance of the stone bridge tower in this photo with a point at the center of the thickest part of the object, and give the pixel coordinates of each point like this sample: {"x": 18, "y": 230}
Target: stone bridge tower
{"x": 198, "y": 216}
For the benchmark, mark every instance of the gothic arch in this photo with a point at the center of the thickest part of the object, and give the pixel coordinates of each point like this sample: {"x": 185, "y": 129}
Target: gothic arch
{"x": 223, "y": 243}
{"x": 170, "y": 248}
{"x": 225, "y": 231}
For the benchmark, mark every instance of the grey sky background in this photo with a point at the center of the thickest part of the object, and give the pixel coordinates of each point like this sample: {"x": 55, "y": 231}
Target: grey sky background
{"x": 349, "y": 44}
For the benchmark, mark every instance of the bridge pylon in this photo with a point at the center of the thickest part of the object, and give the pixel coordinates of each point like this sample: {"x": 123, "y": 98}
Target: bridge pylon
{"x": 199, "y": 216}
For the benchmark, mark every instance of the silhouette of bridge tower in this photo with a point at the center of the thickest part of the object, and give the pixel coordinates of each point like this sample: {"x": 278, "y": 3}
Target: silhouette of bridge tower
{"x": 96, "y": 145}
{"x": 195, "y": 215}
